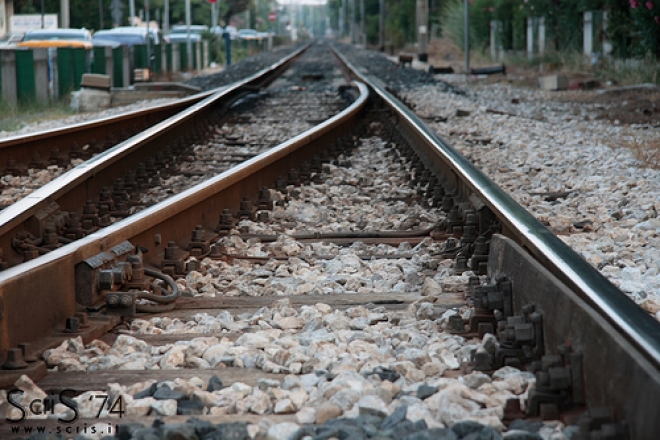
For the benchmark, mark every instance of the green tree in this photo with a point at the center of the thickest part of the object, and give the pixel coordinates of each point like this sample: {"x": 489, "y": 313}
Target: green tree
{"x": 400, "y": 22}
{"x": 641, "y": 37}
{"x": 399, "y": 19}
{"x": 234, "y": 7}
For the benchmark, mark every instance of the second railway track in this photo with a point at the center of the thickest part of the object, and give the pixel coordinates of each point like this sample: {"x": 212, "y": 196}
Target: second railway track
{"x": 360, "y": 270}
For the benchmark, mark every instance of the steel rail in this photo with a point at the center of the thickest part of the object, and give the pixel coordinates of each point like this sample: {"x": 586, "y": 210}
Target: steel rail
{"x": 86, "y": 180}
{"x": 622, "y": 356}
{"x": 638, "y": 326}
{"x": 37, "y": 296}
{"x": 31, "y": 308}
{"x": 22, "y": 147}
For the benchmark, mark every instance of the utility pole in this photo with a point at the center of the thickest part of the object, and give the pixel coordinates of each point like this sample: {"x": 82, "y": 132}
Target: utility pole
{"x": 100, "y": 14}
{"x": 131, "y": 12}
{"x": 64, "y": 14}
{"x": 363, "y": 34}
{"x": 352, "y": 25}
{"x": 381, "y": 28}
{"x": 166, "y": 17}
{"x": 150, "y": 56}
{"x": 422, "y": 29}
{"x": 214, "y": 15}
{"x": 294, "y": 18}
{"x": 117, "y": 12}
{"x": 312, "y": 20}
{"x": 344, "y": 13}
{"x": 188, "y": 42}
{"x": 43, "y": 13}
{"x": 467, "y": 37}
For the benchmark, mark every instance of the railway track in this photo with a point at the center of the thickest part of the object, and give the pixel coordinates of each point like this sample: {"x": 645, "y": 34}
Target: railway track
{"x": 359, "y": 269}
{"x": 33, "y": 159}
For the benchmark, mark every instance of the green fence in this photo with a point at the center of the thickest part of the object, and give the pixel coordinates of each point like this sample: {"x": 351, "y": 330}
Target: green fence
{"x": 64, "y": 71}
{"x": 80, "y": 66}
{"x": 98, "y": 63}
{"x": 71, "y": 65}
{"x": 169, "y": 57}
{"x": 183, "y": 57}
{"x": 67, "y": 65}
{"x": 140, "y": 56}
{"x": 118, "y": 67}
{"x": 158, "y": 59}
{"x": 25, "y": 87}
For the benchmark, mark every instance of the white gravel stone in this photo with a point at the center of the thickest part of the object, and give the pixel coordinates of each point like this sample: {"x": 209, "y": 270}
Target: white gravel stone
{"x": 284, "y": 406}
{"x": 140, "y": 407}
{"x": 282, "y": 431}
{"x": 30, "y": 393}
{"x": 164, "y": 407}
{"x": 475, "y": 380}
{"x": 372, "y": 405}
{"x": 241, "y": 388}
{"x": 543, "y": 145}
{"x": 174, "y": 358}
{"x": 306, "y": 416}
{"x": 329, "y": 356}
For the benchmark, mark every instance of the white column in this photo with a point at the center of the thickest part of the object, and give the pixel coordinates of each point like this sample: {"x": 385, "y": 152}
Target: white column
{"x": 530, "y": 37}
{"x": 55, "y": 77}
{"x": 166, "y": 17}
{"x": 494, "y": 31}
{"x": 8, "y": 67}
{"x": 165, "y": 68}
{"x": 176, "y": 58}
{"x": 340, "y": 24}
{"x": 541, "y": 35}
{"x": 466, "y": 36}
{"x": 294, "y": 23}
{"x": 588, "y": 33}
{"x": 126, "y": 66}
{"x": 422, "y": 29}
{"x": 607, "y": 46}
{"x": 40, "y": 58}
{"x": 109, "y": 63}
{"x": 3, "y": 18}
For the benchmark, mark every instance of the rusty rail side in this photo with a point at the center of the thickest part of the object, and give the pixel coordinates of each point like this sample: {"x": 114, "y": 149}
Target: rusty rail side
{"x": 630, "y": 338}
{"x": 21, "y": 147}
{"x": 69, "y": 191}
{"x": 36, "y": 297}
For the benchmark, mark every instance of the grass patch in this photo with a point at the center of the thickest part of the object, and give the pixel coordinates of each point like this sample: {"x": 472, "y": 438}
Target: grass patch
{"x": 628, "y": 71}
{"x": 623, "y": 72}
{"x": 15, "y": 117}
{"x": 570, "y": 61}
{"x": 647, "y": 152}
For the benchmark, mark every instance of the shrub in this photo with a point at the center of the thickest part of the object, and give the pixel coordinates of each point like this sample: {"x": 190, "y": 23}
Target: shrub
{"x": 453, "y": 19}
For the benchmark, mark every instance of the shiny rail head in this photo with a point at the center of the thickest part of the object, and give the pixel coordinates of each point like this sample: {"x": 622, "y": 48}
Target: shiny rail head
{"x": 37, "y": 275}
{"x": 635, "y": 324}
